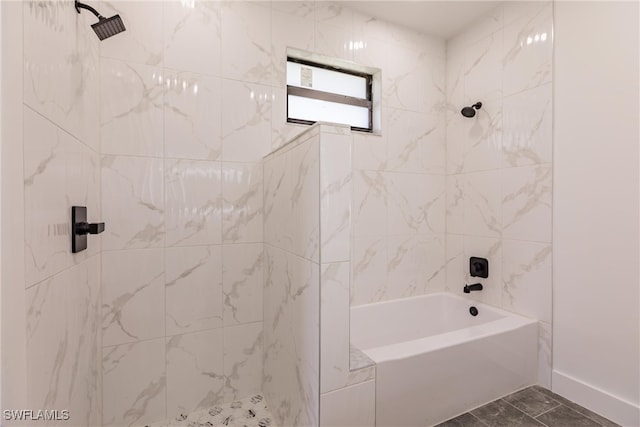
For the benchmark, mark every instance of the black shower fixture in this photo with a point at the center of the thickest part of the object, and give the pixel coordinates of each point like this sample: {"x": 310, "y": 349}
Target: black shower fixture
{"x": 471, "y": 111}
{"x": 105, "y": 27}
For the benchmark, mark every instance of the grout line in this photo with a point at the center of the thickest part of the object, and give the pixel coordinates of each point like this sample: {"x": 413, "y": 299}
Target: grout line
{"x": 518, "y": 409}
{"x": 549, "y": 410}
{"x": 481, "y": 421}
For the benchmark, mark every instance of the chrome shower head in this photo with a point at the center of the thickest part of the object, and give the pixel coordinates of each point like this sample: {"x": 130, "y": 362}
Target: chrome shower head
{"x": 105, "y": 27}
{"x": 471, "y": 111}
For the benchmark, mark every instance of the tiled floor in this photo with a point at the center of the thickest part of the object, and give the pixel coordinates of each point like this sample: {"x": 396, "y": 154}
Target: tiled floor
{"x": 533, "y": 406}
{"x": 249, "y": 412}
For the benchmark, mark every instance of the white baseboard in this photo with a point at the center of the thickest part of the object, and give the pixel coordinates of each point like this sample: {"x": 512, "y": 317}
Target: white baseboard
{"x": 609, "y": 406}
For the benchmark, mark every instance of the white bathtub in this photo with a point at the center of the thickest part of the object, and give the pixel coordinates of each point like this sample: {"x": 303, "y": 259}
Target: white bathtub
{"x": 435, "y": 361}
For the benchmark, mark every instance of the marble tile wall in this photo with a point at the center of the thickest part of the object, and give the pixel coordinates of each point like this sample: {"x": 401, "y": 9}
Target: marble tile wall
{"x": 61, "y": 169}
{"x": 307, "y": 223}
{"x": 499, "y": 164}
{"x": 192, "y": 97}
{"x": 170, "y": 121}
{"x": 185, "y": 118}
{"x": 399, "y": 193}
{"x": 292, "y": 280}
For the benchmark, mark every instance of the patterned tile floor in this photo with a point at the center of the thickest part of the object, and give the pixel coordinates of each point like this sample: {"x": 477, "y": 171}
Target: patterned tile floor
{"x": 249, "y": 412}
{"x": 532, "y": 407}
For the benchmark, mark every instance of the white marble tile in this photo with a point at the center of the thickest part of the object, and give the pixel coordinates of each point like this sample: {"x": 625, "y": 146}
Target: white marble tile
{"x": 302, "y": 9}
{"x": 131, "y": 108}
{"x": 242, "y": 202}
{"x": 304, "y": 168}
{"x": 246, "y": 117}
{"x": 526, "y": 274}
{"x": 277, "y": 205}
{"x": 242, "y": 360}
{"x": 406, "y": 256}
{"x": 186, "y": 24}
{"x": 400, "y": 34}
{"x": 63, "y": 343}
{"x": 142, "y": 42}
{"x": 416, "y": 265}
{"x": 455, "y": 203}
{"x": 291, "y": 338}
{"x": 432, "y": 83}
{"x": 400, "y": 77}
{"x": 133, "y": 297}
{"x": 415, "y": 141}
{"x": 193, "y": 202}
{"x": 483, "y": 69}
{"x": 195, "y": 377}
{"x": 135, "y": 383}
{"x": 544, "y": 354}
{"x": 70, "y": 59}
{"x": 132, "y": 202}
{"x": 336, "y": 196}
{"x": 59, "y": 172}
{"x": 528, "y": 50}
{"x": 434, "y": 264}
{"x": 246, "y": 33}
{"x": 358, "y": 360}
{"x": 519, "y": 9}
{"x": 333, "y": 13}
{"x": 84, "y": 310}
{"x": 369, "y": 269}
{"x": 417, "y": 203}
{"x": 242, "y": 271}
{"x": 47, "y": 342}
{"x": 368, "y": 28}
{"x": 333, "y": 41}
{"x": 370, "y": 52}
{"x": 193, "y": 289}
{"x": 192, "y": 116}
{"x": 527, "y": 127}
{"x": 456, "y": 264}
{"x": 350, "y": 406}
{"x": 526, "y": 203}
{"x": 369, "y": 151}
{"x": 455, "y": 68}
{"x": 289, "y": 30}
{"x": 361, "y": 375}
{"x": 475, "y": 144}
{"x": 483, "y": 204}
{"x": 370, "y": 200}
{"x": 334, "y": 326}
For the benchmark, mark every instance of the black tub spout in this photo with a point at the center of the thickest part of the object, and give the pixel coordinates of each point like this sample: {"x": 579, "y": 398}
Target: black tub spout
{"x": 475, "y": 287}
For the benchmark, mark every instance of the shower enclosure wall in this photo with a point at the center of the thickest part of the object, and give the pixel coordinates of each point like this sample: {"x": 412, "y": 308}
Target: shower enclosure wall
{"x": 160, "y": 131}
{"x": 307, "y": 195}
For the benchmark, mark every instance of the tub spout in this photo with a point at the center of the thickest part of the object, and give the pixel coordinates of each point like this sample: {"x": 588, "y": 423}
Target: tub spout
{"x": 475, "y": 287}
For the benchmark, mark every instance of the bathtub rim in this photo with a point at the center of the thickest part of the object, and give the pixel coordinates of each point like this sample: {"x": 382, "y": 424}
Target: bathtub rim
{"x": 509, "y": 321}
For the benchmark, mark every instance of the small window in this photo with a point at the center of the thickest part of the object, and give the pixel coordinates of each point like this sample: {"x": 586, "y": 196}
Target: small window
{"x": 319, "y": 92}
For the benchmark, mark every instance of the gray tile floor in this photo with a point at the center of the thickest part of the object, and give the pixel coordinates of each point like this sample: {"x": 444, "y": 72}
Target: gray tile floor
{"x": 533, "y": 406}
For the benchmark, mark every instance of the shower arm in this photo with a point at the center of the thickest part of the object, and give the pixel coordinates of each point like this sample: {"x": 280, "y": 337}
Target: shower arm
{"x": 89, "y": 8}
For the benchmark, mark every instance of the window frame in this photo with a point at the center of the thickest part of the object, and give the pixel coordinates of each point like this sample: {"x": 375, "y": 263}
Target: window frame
{"x": 333, "y": 97}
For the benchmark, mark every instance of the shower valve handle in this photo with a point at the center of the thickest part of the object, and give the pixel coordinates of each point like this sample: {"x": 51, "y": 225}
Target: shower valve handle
{"x": 80, "y": 228}
{"x": 89, "y": 228}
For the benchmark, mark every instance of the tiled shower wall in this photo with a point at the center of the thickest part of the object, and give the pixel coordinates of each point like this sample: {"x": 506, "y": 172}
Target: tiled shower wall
{"x": 499, "y": 163}
{"x": 192, "y": 97}
{"x": 61, "y": 169}
{"x": 186, "y": 105}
